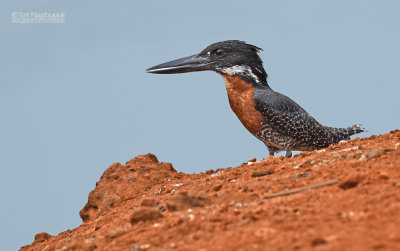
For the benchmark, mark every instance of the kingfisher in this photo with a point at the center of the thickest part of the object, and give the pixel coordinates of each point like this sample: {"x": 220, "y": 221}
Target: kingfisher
{"x": 279, "y": 122}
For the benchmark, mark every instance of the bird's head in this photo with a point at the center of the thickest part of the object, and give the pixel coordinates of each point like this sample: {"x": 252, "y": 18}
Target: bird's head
{"x": 232, "y": 57}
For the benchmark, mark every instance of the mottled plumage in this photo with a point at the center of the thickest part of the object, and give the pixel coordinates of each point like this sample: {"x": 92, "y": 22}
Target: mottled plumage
{"x": 272, "y": 117}
{"x": 287, "y": 126}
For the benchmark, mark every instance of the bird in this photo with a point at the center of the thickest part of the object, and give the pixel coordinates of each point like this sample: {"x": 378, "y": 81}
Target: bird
{"x": 273, "y": 118}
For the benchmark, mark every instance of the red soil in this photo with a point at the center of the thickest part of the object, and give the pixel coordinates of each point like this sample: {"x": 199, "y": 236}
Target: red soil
{"x": 147, "y": 205}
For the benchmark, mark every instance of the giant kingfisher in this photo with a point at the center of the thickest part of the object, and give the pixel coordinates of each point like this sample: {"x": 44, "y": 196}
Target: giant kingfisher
{"x": 272, "y": 117}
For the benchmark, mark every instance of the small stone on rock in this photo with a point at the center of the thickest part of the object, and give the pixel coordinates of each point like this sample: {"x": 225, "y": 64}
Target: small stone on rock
{"x": 318, "y": 241}
{"x": 350, "y": 183}
{"x": 217, "y": 188}
{"x": 383, "y": 176}
{"x": 375, "y": 153}
{"x": 262, "y": 173}
{"x": 41, "y": 237}
{"x": 145, "y": 214}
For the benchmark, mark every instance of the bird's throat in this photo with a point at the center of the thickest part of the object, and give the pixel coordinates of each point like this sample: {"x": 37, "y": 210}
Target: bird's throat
{"x": 241, "y": 100}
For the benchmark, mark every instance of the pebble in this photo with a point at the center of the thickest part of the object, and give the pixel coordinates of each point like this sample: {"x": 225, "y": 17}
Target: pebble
{"x": 146, "y": 202}
{"x": 353, "y": 155}
{"x": 217, "y": 188}
{"x": 302, "y": 175}
{"x": 138, "y": 247}
{"x": 145, "y": 214}
{"x": 350, "y": 183}
{"x": 383, "y": 175}
{"x": 252, "y": 160}
{"x": 375, "y": 153}
{"x": 318, "y": 241}
{"x": 349, "y": 149}
{"x": 216, "y": 174}
{"x": 41, "y": 237}
{"x": 262, "y": 173}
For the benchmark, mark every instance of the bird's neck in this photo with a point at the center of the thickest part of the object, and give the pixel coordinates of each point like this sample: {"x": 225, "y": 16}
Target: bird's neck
{"x": 252, "y": 75}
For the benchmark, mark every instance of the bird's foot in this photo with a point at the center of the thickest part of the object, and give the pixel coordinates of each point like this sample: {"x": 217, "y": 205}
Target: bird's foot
{"x": 272, "y": 150}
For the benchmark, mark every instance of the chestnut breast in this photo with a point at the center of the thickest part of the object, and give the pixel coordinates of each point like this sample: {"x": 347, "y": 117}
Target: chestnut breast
{"x": 240, "y": 94}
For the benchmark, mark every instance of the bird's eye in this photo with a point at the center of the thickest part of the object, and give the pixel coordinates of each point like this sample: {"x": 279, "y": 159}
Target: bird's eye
{"x": 218, "y": 52}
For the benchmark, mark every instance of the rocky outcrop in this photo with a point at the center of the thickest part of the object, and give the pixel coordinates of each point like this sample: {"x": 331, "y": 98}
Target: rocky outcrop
{"x": 345, "y": 197}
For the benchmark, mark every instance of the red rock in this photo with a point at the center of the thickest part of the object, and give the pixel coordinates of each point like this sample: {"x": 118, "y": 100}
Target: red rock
{"x": 361, "y": 212}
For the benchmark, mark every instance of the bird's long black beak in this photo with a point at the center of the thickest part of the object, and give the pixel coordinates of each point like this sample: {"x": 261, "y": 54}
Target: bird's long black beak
{"x": 187, "y": 64}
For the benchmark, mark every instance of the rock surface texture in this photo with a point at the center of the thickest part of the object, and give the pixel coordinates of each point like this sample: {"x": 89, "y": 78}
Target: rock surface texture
{"x": 345, "y": 197}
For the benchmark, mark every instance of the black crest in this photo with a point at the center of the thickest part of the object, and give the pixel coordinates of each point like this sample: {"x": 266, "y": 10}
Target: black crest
{"x": 231, "y": 53}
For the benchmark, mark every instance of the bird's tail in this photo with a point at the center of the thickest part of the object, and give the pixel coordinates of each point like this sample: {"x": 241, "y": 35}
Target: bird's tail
{"x": 345, "y": 133}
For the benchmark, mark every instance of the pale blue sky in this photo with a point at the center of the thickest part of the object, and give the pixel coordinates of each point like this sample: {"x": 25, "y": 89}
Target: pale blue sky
{"x": 75, "y": 97}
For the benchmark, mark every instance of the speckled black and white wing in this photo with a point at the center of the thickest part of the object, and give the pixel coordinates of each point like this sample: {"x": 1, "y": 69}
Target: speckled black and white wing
{"x": 287, "y": 126}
